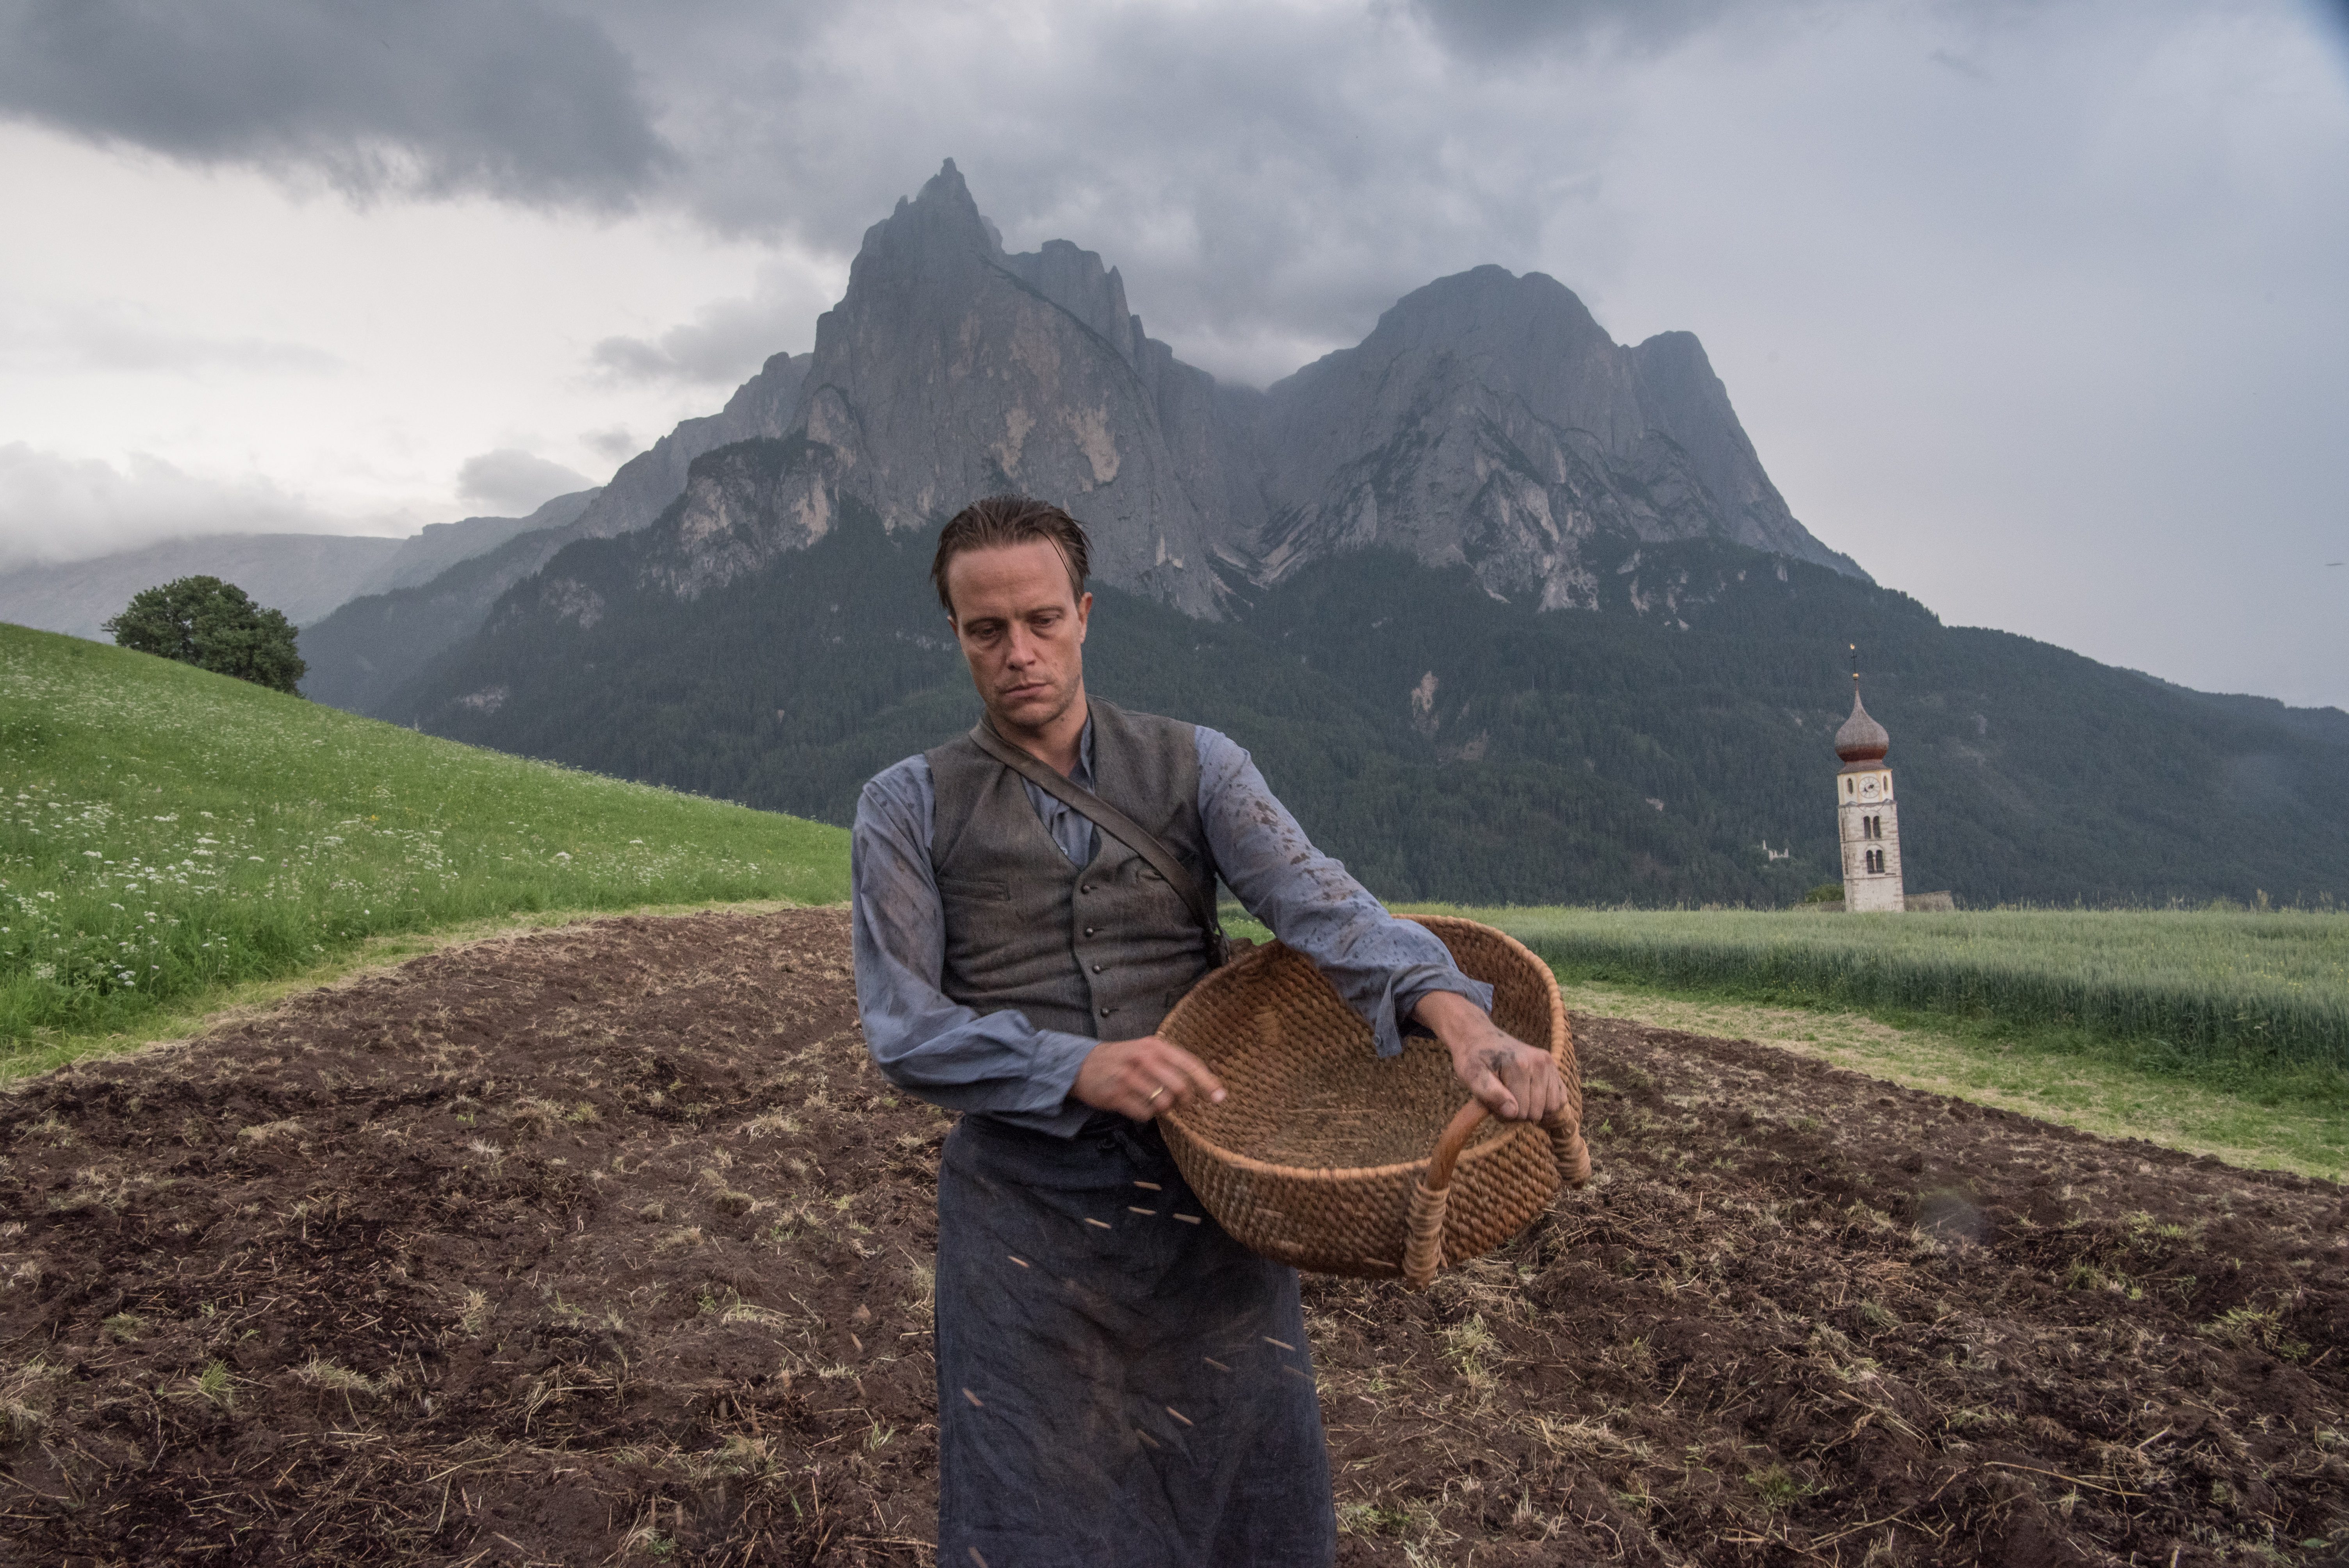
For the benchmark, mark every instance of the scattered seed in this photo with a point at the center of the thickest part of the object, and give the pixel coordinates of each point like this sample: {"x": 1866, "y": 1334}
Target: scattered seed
{"x": 1103, "y": 1223}
{"x": 1188, "y": 1219}
{"x": 1150, "y": 1186}
{"x": 1138, "y": 1209}
{"x": 1145, "y": 1437}
{"x": 1283, "y": 1344}
{"x": 975, "y": 1402}
{"x": 1016, "y": 1259}
{"x": 1213, "y": 1363}
{"x": 977, "y": 1558}
{"x": 1179, "y": 1416}
{"x": 858, "y": 1343}
{"x": 1292, "y": 1371}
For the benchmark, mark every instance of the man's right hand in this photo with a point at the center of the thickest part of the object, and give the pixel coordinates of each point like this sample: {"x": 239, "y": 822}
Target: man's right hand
{"x": 1122, "y": 1076}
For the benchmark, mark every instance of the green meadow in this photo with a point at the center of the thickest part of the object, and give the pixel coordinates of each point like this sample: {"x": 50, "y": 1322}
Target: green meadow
{"x": 167, "y": 834}
{"x": 2223, "y": 1031}
{"x": 2264, "y": 988}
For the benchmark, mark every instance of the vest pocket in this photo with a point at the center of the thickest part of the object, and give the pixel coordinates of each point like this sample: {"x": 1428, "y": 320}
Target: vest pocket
{"x": 971, "y": 891}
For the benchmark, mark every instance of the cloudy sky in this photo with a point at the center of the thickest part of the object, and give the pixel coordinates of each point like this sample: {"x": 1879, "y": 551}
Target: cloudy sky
{"x": 2037, "y": 307}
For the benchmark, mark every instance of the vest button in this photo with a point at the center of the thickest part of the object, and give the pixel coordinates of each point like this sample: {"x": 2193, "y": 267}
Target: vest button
{"x": 1085, "y": 887}
{"x": 1107, "y": 1011}
{"x": 1096, "y": 968}
{"x": 1089, "y": 931}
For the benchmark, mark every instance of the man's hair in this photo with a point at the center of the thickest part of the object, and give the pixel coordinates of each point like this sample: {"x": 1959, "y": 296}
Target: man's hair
{"x": 1002, "y": 520}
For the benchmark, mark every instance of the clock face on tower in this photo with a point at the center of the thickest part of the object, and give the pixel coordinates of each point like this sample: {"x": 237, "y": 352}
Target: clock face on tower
{"x": 1869, "y": 788}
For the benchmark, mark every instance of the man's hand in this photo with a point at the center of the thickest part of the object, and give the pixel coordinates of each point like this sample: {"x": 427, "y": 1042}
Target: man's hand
{"x": 1142, "y": 1077}
{"x": 1517, "y": 1082}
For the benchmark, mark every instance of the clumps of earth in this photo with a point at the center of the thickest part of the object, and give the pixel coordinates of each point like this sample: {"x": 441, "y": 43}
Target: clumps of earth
{"x": 607, "y": 1245}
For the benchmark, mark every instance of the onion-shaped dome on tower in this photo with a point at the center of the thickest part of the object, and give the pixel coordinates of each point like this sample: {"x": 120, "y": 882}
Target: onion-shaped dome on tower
{"x": 1861, "y": 739}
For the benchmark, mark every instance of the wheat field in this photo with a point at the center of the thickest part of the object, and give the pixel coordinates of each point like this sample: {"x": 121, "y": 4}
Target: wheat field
{"x": 2269, "y": 986}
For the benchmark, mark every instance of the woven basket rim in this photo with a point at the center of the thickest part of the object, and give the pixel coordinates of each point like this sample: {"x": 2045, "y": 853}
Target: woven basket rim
{"x": 1364, "y": 1173}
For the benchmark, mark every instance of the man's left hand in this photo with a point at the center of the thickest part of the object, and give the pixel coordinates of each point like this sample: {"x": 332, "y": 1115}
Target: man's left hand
{"x": 1517, "y": 1082}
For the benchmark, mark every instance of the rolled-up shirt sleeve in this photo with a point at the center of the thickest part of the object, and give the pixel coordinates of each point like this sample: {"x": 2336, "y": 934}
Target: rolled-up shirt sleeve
{"x": 930, "y": 1046}
{"x": 1382, "y": 966}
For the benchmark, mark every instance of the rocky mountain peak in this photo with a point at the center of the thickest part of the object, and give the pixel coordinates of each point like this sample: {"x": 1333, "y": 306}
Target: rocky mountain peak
{"x": 936, "y": 233}
{"x": 1487, "y": 419}
{"x": 1533, "y": 321}
{"x": 949, "y": 371}
{"x": 1076, "y": 281}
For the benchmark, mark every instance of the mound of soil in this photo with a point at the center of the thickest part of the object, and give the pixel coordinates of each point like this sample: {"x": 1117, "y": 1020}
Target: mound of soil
{"x": 608, "y": 1244}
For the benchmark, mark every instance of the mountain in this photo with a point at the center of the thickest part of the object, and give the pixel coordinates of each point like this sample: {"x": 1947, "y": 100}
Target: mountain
{"x": 951, "y": 370}
{"x": 370, "y": 644}
{"x": 1507, "y": 610}
{"x": 1671, "y": 745}
{"x": 1488, "y": 420}
{"x": 305, "y": 575}
{"x": 425, "y": 555}
{"x": 647, "y": 482}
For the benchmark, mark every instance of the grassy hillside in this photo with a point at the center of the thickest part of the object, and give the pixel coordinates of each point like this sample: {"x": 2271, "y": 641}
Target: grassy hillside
{"x": 164, "y": 831}
{"x": 2266, "y": 987}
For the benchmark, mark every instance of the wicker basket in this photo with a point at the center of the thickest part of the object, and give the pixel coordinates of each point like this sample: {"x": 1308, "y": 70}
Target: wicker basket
{"x": 1324, "y": 1156}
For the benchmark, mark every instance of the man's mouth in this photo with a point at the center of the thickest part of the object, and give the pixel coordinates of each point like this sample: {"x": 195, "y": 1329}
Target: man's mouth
{"x": 1034, "y": 688}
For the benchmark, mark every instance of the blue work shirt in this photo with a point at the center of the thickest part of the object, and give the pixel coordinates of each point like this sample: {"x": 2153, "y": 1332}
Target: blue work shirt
{"x": 943, "y": 1052}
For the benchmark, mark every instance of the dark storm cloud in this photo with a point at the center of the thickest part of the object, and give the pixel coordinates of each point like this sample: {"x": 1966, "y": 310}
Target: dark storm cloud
{"x": 1267, "y": 178}
{"x": 437, "y": 96}
{"x": 1502, "y": 27}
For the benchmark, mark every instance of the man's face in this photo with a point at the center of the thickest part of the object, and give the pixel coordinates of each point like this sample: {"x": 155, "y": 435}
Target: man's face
{"x": 1022, "y": 627}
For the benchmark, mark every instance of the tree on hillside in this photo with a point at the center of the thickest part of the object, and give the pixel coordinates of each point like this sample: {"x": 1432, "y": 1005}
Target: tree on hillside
{"x": 209, "y": 624}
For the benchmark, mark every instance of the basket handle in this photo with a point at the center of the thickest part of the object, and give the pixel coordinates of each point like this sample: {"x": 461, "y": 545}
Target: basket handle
{"x": 1422, "y": 1247}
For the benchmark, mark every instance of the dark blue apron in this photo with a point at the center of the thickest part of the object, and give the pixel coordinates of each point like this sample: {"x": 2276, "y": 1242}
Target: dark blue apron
{"x": 1119, "y": 1383}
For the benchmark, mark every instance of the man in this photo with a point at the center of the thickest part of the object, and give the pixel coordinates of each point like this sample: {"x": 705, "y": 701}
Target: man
{"x": 1119, "y": 1381}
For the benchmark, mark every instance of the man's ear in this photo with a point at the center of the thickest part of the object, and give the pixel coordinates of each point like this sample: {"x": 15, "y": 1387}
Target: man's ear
{"x": 1084, "y": 615}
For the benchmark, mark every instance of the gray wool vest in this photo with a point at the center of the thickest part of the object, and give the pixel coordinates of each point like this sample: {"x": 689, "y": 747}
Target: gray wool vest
{"x": 1105, "y": 949}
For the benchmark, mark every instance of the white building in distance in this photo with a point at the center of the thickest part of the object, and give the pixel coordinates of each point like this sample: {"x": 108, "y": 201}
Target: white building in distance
{"x": 1869, "y": 820}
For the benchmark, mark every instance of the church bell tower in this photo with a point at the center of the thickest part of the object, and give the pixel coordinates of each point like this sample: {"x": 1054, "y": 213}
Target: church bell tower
{"x": 1864, "y": 810}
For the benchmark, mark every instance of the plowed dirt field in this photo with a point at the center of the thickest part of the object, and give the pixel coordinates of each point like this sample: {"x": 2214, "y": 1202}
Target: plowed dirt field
{"x": 607, "y": 1245}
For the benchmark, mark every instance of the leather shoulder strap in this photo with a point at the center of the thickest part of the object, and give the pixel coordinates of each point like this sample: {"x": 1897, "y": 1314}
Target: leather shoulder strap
{"x": 1111, "y": 821}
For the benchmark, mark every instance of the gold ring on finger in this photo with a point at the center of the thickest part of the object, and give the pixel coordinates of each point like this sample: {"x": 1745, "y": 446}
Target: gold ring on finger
{"x": 1154, "y": 1094}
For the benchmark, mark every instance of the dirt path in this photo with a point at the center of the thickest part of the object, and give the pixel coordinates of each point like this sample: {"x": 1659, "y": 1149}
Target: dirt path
{"x": 606, "y": 1245}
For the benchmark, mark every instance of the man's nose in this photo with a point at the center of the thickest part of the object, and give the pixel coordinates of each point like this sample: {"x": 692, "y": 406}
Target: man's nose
{"x": 1020, "y": 646}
